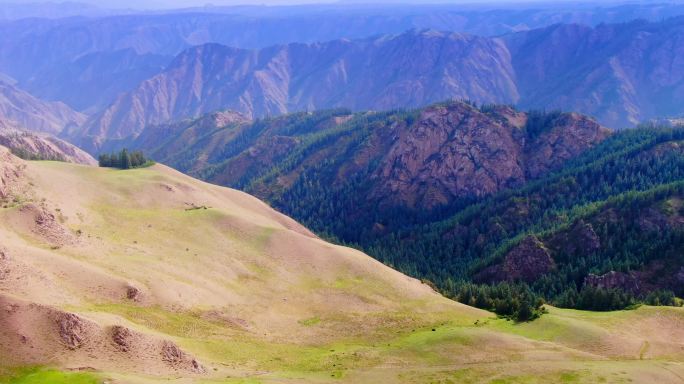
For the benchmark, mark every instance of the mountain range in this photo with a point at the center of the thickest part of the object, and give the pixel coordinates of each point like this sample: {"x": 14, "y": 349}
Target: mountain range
{"x": 423, "y": 193}
{"x": 87, "y": 62}
{"x": 621, "y": 74}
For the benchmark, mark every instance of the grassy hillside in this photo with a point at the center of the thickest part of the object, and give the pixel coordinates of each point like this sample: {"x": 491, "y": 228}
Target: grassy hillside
{"x": 147, "y": 275}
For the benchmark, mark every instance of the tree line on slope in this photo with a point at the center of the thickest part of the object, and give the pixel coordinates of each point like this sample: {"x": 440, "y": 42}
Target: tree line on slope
{"x": 124, "y": 159}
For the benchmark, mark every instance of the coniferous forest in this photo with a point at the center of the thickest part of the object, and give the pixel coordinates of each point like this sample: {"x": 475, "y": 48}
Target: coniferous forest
{"x": 124, "y": 159}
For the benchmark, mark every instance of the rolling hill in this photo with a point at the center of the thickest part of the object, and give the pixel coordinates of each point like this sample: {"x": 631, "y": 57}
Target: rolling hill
{"x": 147, "y": 275}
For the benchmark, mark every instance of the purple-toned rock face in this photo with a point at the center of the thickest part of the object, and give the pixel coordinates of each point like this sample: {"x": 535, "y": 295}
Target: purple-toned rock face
{"x": 580, "y": 240}
{"x": 456, "y": 150}
{"x": 527, "y": 261}
{"x": 614, "y": 280}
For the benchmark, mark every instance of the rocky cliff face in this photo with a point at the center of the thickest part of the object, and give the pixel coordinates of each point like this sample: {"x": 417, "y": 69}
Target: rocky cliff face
{"x": 456, "y": 150}
{"x": 627, "y": 282}
{"x": 527, "y": 261}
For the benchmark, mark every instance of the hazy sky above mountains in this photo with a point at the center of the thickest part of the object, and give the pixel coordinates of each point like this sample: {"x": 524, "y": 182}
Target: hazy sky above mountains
{"x": 166, "y": 4}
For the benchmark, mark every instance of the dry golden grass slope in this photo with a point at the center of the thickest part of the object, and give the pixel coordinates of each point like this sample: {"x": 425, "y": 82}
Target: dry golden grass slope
{"x": 150, "y": 276}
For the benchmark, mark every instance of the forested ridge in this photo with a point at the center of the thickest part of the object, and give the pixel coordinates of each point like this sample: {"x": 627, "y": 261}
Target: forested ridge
{"x": 630, "y": 172}
{"x": 323, "y": 175}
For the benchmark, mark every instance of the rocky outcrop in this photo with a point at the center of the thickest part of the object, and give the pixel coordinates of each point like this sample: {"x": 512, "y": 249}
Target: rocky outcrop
{"x": 134, "y": 294}
{"x": 451, "y": 151}
{"x": 122, "y": 338}
{"x": 73, "y": 330}
{"x": 4, "y": 264}
{"x": 627, "y": 282}
{"x": 45, "y": 225}
{"x": 455, "y": 150}
{"x": 579, "y": 240}
{"x": 10, "y": 173}
{"x": 175, "y": 357}
{"x": 570, "y": 135}
{"x": 527, "y": 261}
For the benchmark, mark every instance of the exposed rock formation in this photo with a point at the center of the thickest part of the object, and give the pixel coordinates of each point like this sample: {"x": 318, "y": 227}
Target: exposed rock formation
{"x": 571, "y": 135}
{"x": 73, "y": 330}
{"x": 4, "y": 264}
{"x": 526, "y": 261}
{"x": 455, "y": 150}
{"x": 121, "y": 336}
{"x": 133, "y": 293}
{"x": 175, "y": 357}
{"x": 10, "y": 173}
{"x": 580, "y": 240}
{"x": 614, "y": 280}
{"x": 45, "y": 225}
